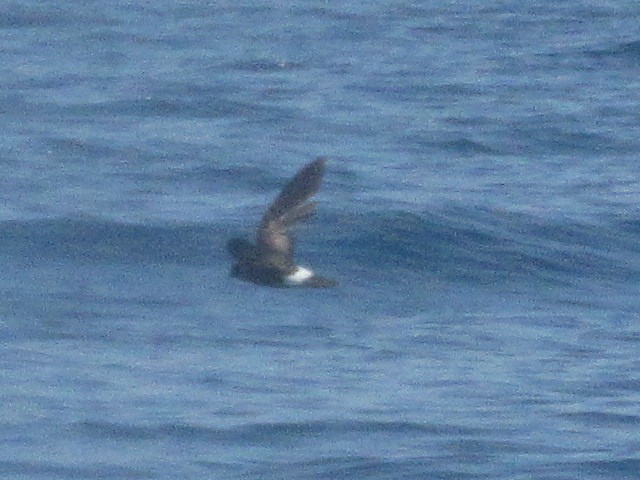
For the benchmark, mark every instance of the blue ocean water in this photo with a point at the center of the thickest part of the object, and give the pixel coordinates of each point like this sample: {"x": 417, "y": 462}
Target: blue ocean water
{"x": 481, "y": 211}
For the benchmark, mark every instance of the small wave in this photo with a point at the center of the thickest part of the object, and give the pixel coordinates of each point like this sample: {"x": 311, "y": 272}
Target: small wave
{"x": 64, "y": 470}
{"x": 37, "y": 16}
{"x": 461, "y": 244}
{"x": 266, "y": 433}
{"x": 485, "y": 246}
{"x": 264, "y": 65}
{"x": 545, "y": 139}
{"x": 355, "y": 466}
{"x": 90, "y": 240}
{"x": 186, "y": 106}
{"x": 627, "y": 49}
{"x": 622, "y": 468}
{"x": 600, "y": 419}
{"x": 620, "y": 51}
{"x": 459, "y": 146}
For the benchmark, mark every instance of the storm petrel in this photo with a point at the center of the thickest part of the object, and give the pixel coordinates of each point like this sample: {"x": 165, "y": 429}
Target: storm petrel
{"x": 270, "y": 262}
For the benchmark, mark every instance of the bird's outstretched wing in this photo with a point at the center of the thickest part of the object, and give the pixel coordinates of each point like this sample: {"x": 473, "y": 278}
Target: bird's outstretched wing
{"x": 290, "y": 207}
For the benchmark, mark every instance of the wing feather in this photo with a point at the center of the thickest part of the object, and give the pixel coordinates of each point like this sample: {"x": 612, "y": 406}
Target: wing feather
{"x": 289, "y": 208}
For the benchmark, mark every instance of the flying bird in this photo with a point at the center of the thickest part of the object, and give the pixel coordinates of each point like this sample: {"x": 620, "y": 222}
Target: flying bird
{"x": 271, "y": 261}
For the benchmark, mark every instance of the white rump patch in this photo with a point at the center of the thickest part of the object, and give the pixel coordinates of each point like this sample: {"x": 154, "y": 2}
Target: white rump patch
{"x": 298, "y": 277}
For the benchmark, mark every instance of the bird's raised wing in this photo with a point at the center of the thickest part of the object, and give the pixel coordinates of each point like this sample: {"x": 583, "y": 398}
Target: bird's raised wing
{"x": 290, "y": 207}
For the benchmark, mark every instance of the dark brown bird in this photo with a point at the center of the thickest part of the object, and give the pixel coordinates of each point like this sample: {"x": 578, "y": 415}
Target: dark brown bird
{"x": 270, "y": 262}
